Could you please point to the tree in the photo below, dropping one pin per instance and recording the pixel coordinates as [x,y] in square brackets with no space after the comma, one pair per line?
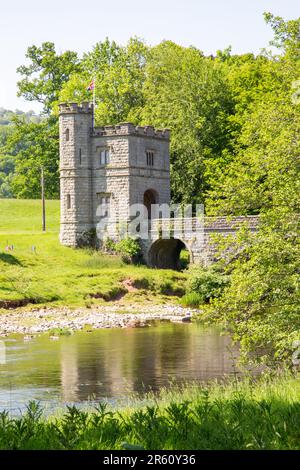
[34,145]
[261,304]
[44,77]
[286,34]
[188,93]
[119,73]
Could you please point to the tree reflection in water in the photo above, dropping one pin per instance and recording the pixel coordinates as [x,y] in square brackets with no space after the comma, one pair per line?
[113,363]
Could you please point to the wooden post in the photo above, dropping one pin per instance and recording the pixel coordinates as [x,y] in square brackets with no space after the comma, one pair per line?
[43,198]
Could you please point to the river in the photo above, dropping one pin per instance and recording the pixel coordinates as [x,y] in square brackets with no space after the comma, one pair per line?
[110,363]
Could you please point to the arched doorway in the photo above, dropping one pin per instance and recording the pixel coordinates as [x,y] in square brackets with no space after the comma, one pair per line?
[165,254]
[150,198]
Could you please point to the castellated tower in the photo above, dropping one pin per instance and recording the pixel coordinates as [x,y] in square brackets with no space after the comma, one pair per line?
[106,170]
[75,124]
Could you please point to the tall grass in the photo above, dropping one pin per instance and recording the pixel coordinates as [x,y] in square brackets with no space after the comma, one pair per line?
[265,415]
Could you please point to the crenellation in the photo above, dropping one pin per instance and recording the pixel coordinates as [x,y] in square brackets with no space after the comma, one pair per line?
[128,128]
[75,108]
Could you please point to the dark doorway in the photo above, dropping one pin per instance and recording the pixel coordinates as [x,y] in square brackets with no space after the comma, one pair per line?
[150,198]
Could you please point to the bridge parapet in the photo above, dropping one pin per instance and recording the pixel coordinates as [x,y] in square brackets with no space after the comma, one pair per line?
[168,235]
[214,224]
[231,223]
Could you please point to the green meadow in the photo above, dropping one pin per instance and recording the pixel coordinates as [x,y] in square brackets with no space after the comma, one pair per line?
[38,270]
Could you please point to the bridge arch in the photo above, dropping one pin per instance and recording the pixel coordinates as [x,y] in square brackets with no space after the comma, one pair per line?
[165,253]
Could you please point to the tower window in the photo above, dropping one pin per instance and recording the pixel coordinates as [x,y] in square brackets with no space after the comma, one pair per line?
[67,135]
[80,157]
[104,204]
[150,157]
[104,157]
[68,201]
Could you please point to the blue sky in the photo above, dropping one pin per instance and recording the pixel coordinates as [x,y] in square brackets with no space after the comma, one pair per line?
[78,25]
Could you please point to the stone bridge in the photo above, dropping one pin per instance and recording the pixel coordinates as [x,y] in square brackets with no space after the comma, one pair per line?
[167,237]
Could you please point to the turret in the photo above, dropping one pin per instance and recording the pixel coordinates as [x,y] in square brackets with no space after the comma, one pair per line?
[75,127]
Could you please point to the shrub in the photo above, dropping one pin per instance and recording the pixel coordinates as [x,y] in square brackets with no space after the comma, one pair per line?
[129,250]
[184,259]
[109,245]
[88,239]
[207,284]
[192,299]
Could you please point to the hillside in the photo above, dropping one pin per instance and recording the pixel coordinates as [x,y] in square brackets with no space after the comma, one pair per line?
[7,115]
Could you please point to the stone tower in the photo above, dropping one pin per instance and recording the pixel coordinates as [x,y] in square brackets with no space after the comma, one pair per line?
[104,171]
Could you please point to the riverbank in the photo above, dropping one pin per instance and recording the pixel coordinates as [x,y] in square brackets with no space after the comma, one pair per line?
[64,320]
[35,269]
[240,415]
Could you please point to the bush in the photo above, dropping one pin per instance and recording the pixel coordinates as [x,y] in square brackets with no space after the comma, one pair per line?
[192,299]
[207,284]
[88,239]
[129,250]
[108,245]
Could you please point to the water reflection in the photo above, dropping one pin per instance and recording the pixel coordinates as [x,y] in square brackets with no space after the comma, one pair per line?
[112,363]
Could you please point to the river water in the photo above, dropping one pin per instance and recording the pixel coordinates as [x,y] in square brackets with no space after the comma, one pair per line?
[111,364]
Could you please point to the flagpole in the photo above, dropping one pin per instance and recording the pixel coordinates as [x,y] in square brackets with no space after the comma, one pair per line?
[94,102]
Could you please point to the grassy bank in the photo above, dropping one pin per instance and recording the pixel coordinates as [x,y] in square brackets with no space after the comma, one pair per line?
[265,415]
[38,270]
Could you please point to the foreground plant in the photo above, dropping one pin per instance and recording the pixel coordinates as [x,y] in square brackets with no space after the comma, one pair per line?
[265,415]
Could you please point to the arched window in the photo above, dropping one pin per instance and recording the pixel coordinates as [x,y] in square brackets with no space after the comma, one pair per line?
[67,134]
[150,198]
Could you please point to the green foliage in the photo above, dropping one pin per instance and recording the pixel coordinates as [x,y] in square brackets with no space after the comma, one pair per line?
[119,72]
[286,34]
[7,159]
[188,93]
[44,77]
[207,283]
[261,305]
[213,106]
[191,299]
[129,249]
[264,415]
[88,239]
[7,116]
[109,245]
[34,145]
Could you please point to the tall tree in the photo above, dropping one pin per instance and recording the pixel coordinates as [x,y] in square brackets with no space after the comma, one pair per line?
[119,72]
[188,93]
[261,306]
[34,145]
[46,73]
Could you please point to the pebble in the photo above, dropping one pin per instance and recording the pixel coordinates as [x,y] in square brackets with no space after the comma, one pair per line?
[132,316]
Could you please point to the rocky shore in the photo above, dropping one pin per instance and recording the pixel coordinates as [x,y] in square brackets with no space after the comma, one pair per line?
[46,319]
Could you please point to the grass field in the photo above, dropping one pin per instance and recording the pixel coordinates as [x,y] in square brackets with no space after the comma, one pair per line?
[263,415]
[39,270]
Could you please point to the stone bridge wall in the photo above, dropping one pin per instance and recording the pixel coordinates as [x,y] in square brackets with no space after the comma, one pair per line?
[197,236]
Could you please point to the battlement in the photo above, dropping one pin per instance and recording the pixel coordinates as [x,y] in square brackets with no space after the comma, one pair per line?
[127,128]
[72,108]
